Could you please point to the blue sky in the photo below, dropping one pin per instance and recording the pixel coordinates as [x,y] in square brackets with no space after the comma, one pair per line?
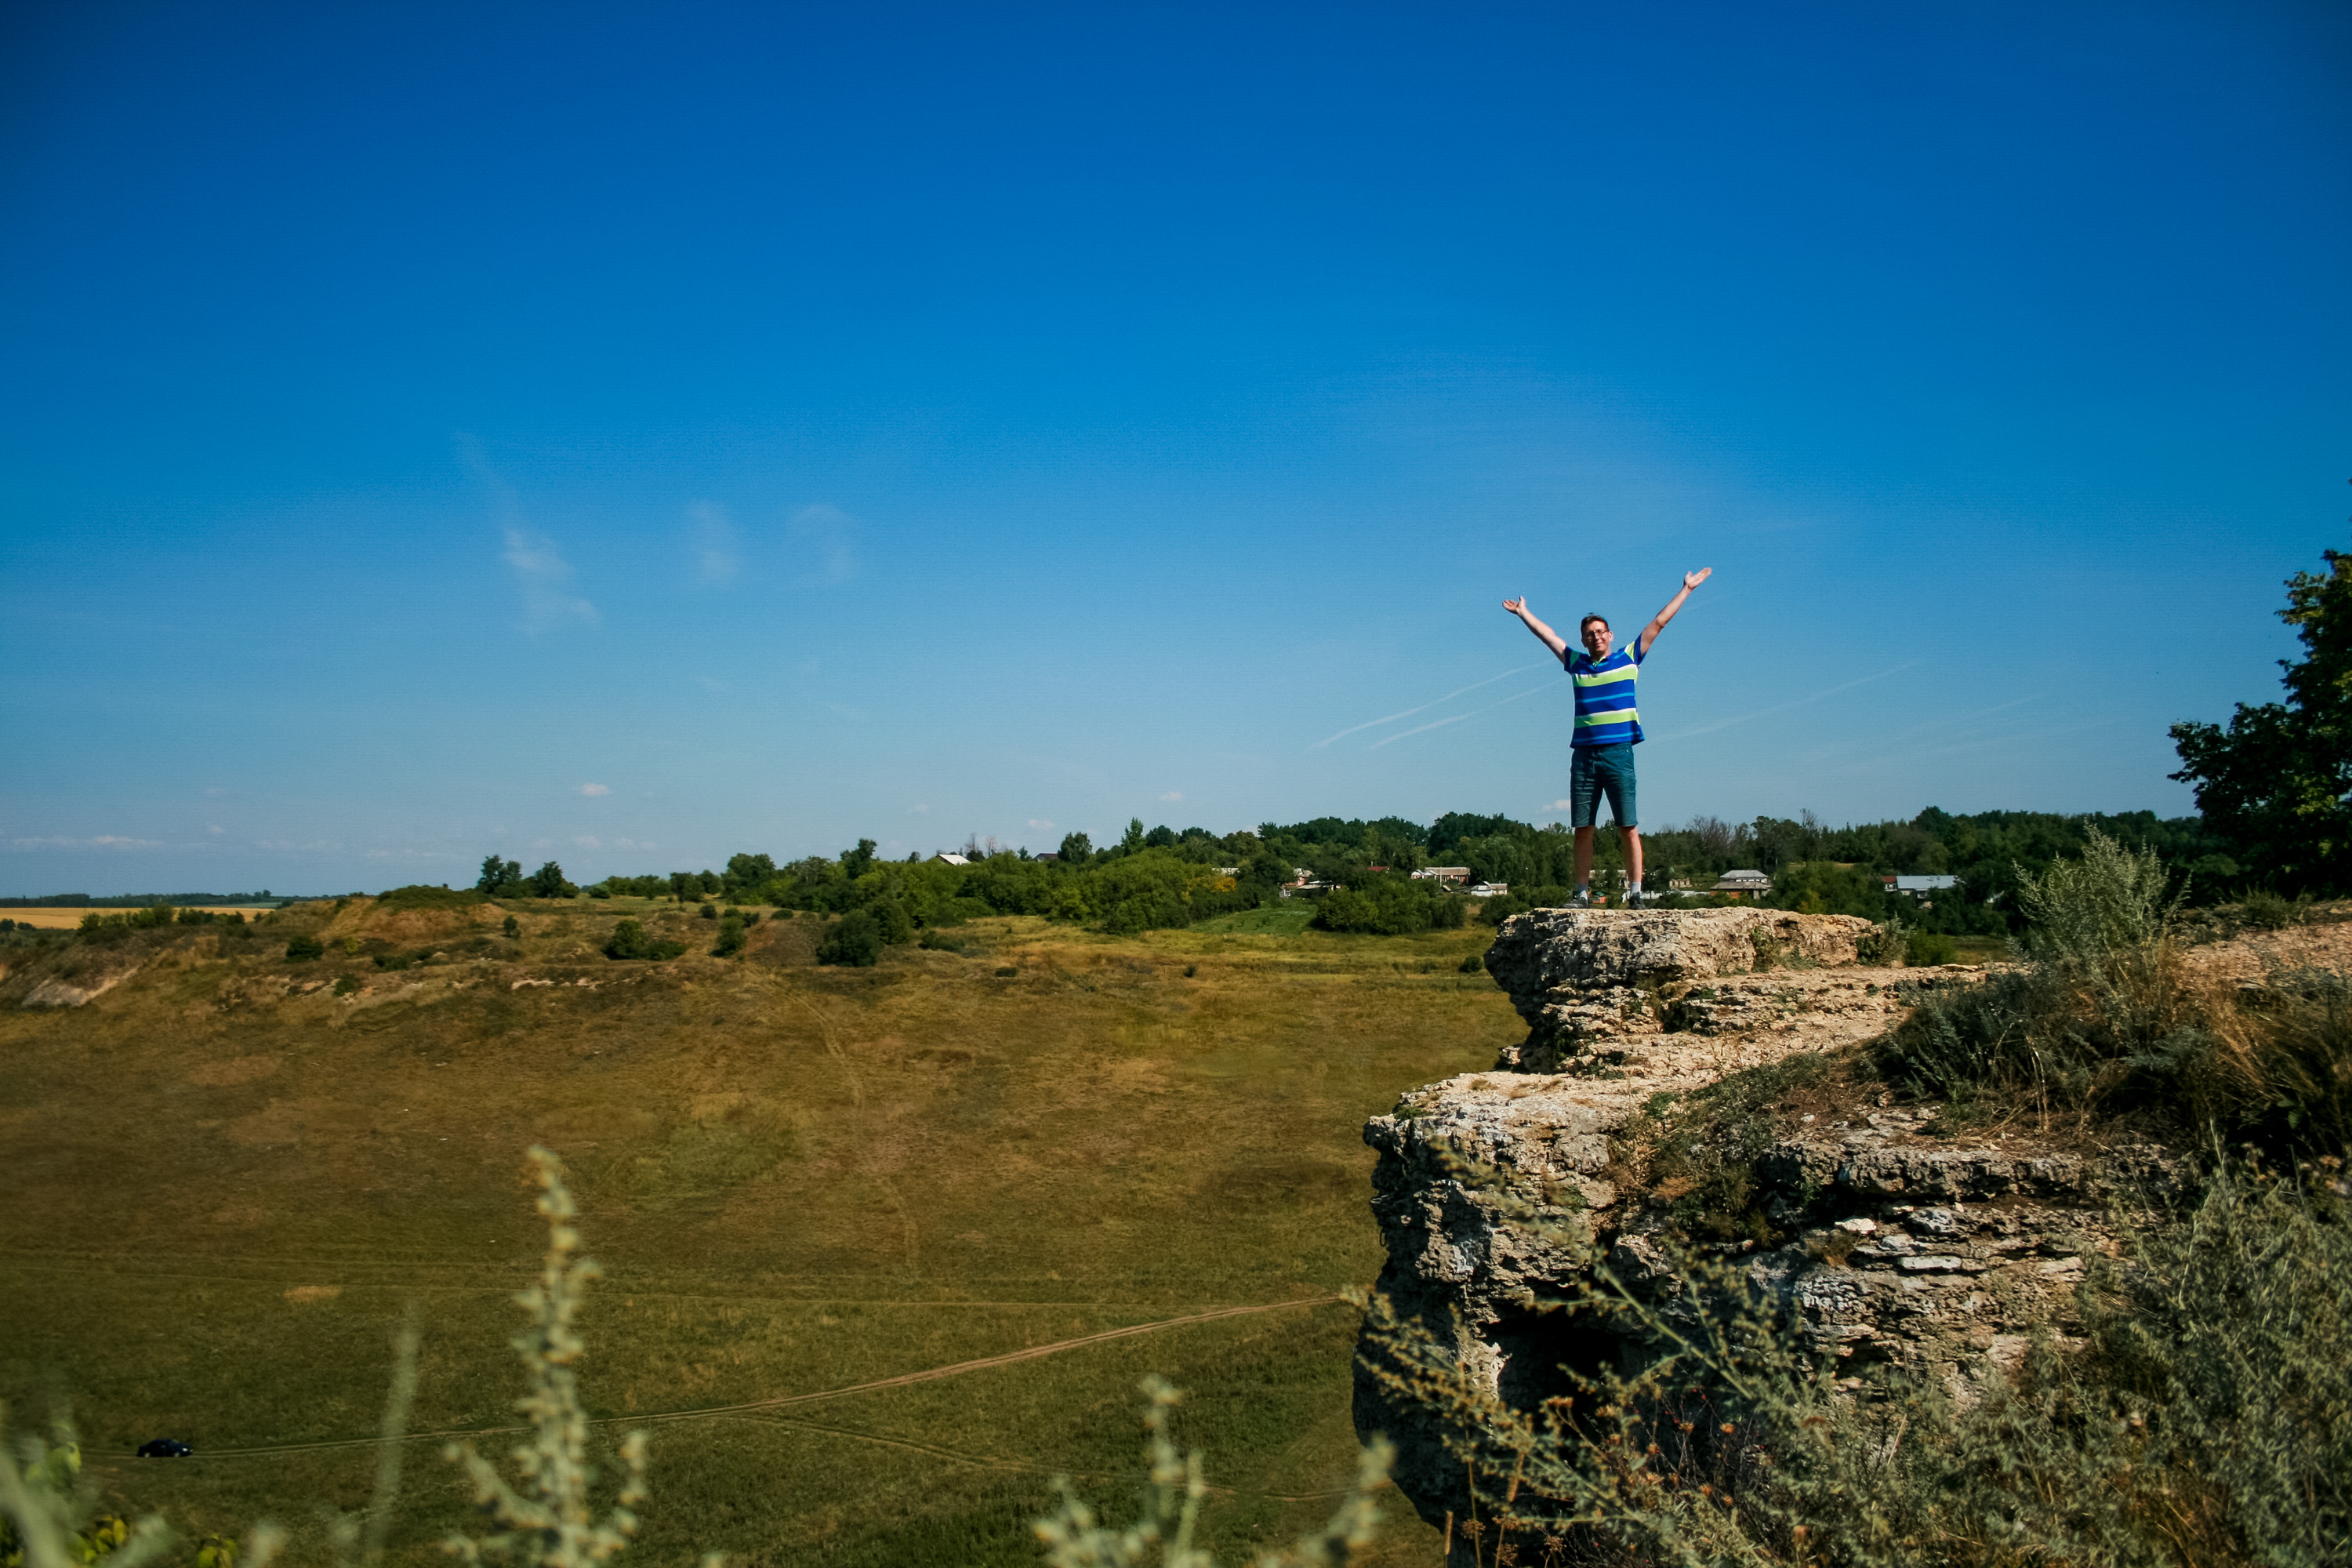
[633,435]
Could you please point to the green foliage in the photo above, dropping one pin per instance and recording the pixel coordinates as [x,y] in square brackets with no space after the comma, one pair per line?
[855,863]
[937,940]
[2111,901]
[2107,1014]
[731,937]
[548,882]
[2277,785]
[1472,962]
[1923,948]
[500,879]
[2267,910]
[629,940]
[420,896]
[302,949]
[513,927]
[1391,906]
[1076,849]
[1825,888]
[709,911]
[2209,1420]
[856,938]
[47,1518]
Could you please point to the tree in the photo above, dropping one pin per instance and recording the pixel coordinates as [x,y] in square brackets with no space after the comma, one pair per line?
[855,863]
[1132,839]
[548,882]
[497,876]
[2277,785]
[856,938]
[1077,849]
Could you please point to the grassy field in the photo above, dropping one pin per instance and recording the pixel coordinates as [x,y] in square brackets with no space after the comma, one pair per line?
[799,1180]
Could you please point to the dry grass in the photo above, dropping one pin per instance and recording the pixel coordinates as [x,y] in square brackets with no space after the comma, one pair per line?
[799,1178]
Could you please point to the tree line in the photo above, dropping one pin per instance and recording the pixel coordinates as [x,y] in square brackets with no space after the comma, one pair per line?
[2274,790]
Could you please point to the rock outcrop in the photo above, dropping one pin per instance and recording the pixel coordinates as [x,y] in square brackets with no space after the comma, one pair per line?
[1892,1244]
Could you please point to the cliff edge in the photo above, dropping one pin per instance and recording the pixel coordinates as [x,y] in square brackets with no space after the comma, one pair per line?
[1891,1241]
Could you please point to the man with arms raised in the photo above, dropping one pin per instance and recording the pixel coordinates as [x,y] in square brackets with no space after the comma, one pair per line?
[1607,728]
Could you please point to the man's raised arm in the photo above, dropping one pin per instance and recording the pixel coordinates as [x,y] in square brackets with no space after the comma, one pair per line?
[1658,622]
[1544,634]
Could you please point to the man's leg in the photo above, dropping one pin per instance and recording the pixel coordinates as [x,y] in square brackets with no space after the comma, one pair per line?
[1583,811]
[1633,860]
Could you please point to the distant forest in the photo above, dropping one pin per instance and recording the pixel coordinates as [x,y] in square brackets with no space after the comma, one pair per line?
[1162,876]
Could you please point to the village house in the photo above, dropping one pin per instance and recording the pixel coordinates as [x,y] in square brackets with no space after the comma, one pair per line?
[1447,874]
[1743,884]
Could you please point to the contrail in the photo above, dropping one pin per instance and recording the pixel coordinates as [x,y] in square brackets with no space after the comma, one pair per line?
[1784,707]
[1376,723]
[1490,707]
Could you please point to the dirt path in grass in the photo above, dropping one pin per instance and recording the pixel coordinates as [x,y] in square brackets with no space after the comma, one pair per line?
[786,1401]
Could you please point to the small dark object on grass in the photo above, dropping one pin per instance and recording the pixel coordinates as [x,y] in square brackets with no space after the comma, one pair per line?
[1190,970]
[303,949]
[513,927]
[709,911]
[1473,963]
[1005,971]
[164,1448]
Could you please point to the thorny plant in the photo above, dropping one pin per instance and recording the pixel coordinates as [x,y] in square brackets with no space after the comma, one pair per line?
[1076,1537]
[550,1519]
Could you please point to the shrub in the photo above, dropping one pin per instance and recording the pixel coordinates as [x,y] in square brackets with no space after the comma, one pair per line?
[1929,947]
[302,949]
[731,937]
[1886,943]
[629,940]
[709,911]
[855,939]
[513,927]
[1391,906]
[2268,911]
[1472,962]
[940,941]
[890,917]
[417,896]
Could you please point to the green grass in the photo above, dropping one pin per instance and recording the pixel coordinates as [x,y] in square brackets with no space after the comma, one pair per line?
[1288,918]
[798,1179]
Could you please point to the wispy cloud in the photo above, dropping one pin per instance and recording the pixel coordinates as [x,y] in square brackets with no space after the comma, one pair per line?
[1456,719]
[545,580]
[592,790]
[715,554]
[587,841]
[1174,795]
[1784,707]
[103,841]
[1424,708]
[540,569]
[1040,823]
[823,537]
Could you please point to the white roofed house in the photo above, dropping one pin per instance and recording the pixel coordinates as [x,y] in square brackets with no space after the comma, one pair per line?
[1742,885]
[952,858]
[1442,874]
[1923,888]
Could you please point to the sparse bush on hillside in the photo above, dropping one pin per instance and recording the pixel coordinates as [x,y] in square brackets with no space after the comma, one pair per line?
[629,940]
[2208,1419]
[302,949]
[856,938]
[1923,948]
[420,896]
[731,937]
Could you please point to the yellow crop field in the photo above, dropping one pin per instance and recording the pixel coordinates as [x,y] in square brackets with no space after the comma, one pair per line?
[69,918]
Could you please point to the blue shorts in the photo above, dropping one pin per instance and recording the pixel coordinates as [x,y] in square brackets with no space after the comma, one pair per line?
[1598,771]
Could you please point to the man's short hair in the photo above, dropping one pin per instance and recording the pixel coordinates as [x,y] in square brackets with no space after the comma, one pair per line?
[1589,620]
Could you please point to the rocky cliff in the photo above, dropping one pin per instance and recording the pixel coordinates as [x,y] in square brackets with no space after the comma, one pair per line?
[1892,1242]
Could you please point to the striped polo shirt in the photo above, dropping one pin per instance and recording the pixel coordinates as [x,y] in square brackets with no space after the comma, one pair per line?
[1605,714]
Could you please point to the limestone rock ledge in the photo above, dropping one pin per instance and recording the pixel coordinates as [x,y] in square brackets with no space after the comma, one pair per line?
[1945,1259]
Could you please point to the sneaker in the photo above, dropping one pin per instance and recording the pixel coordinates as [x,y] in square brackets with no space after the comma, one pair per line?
[1581,901]
[1634,898]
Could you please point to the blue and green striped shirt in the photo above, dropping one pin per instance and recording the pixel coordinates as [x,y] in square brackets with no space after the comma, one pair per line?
[1605,714]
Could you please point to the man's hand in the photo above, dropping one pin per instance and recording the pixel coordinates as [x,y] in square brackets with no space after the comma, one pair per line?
[1693,579]
[1658,622]
[1548,638]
